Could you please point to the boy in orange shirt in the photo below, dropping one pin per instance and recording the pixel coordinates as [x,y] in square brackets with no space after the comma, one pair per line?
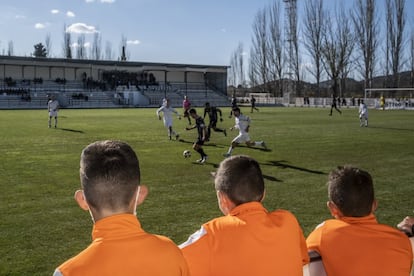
[248,239]
[110,178]
[354,243]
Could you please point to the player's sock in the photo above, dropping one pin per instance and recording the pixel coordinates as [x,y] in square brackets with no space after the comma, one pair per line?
[230,150]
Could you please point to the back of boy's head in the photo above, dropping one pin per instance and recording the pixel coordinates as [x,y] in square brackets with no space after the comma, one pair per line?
[241,179]
[352,191]
[109,174]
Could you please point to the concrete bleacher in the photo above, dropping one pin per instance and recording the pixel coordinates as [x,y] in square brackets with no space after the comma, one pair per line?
[69,91]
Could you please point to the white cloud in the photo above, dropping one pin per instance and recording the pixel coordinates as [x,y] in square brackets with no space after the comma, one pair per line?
[89,1]
[223,30]
[70,14]
[134,42]
[40,26]
[81,28]
[54,11]
[108,1]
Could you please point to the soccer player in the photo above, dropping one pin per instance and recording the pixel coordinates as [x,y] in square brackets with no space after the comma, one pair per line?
[333,105]
[53,108]
[186,107]
[363,114]
[111,190]
[202,134]
[213,112]
[354,243]
[382,102]
[242,123]
[253,103]
[248,239]
[168,118]
[233,104]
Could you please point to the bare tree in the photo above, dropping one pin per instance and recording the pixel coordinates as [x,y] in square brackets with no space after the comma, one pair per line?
[10,48]
[109,55]
[240,63]
[313,35]
[396,20]
[365,21]
[275,47]
[337,48]
[123,48]
[81,50]
[67,41]
[48,45]
[412,57]
[258,53]
[232,76]
[96,46]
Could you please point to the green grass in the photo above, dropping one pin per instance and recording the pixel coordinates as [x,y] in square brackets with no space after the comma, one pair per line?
[41,225]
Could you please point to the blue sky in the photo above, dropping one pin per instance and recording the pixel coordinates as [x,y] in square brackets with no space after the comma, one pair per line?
[174,31]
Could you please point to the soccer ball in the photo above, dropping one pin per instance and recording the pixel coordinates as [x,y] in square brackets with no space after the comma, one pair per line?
[187,154]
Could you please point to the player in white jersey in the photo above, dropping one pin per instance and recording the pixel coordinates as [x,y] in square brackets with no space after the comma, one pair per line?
[242,123]
[53,108]
[168,111]
[363,114]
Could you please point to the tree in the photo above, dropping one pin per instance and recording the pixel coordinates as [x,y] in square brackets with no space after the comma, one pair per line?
[275,47]
[258,54]
[313,35]
[10,49]
[412,57]
[108,51]
[96,50]
[396,19]
[123,48]
[48,45]
[67,42]
[337,48]
[365,23]
[80,50]
[39,50]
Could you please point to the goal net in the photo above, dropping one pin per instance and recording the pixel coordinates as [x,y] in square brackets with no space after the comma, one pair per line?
[389,98]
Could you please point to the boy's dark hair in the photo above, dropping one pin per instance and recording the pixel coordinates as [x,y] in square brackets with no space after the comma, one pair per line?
[236,109]
[241,179]
[352,191]
[193,111]
[109,174]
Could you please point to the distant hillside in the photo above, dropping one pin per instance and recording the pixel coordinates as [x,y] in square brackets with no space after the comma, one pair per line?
[350,87]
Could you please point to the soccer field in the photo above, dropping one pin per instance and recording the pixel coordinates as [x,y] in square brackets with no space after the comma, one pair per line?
[41,225]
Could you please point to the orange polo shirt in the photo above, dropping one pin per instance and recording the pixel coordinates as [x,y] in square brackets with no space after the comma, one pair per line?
[121,247]
[249,241]
[361,246]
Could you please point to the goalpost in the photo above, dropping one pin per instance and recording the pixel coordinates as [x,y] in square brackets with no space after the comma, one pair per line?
[394,98]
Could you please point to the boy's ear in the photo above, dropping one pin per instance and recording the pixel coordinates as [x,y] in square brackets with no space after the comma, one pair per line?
[81,200]
[143,192]
[335,212]
[374,206]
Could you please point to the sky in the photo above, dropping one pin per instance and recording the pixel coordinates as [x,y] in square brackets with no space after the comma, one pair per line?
[171,31]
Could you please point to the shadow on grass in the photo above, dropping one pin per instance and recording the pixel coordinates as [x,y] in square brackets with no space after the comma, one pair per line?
[71,130]
[391,128]
[207,144]
[283,165]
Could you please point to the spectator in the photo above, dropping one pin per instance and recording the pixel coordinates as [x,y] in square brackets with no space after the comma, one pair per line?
[111,190]
[248,239]
[354,243]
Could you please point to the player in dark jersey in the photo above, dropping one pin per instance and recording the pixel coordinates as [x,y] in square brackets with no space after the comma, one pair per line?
[213,112]
[202,134]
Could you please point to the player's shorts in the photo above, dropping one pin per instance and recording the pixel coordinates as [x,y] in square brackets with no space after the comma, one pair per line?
[241,138]
[186,113]
[363,116]
[53,113]
[213,123]
[168,122]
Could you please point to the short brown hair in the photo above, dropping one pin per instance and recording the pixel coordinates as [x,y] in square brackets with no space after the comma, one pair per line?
[241,179]
[109,174]
[352,191]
